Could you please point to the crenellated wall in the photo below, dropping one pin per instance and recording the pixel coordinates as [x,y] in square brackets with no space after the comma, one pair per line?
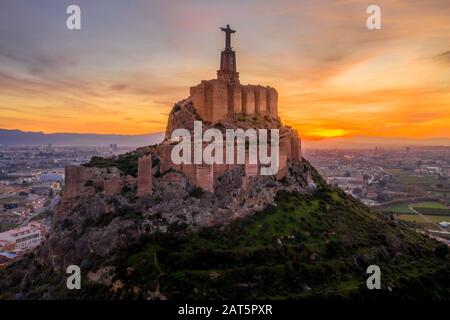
[216,99]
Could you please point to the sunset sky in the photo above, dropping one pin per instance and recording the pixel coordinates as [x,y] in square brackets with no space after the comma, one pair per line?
[132,60]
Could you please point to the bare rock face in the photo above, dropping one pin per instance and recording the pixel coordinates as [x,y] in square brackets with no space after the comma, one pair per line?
[92,224]
[183,115]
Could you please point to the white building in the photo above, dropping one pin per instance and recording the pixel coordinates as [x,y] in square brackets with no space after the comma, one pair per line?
[444,224]
[24,238]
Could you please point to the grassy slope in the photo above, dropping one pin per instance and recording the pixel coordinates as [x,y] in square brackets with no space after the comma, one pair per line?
[327,240]
[315,246]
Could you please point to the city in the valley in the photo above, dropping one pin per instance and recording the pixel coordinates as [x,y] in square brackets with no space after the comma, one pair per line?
[411,183]
[31,178]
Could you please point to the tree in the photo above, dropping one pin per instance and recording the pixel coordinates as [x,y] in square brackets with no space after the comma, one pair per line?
[441,250]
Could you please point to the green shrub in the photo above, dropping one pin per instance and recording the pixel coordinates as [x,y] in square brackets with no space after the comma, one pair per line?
[196,192]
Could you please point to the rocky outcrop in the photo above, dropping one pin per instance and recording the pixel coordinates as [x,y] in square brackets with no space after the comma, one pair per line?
[183,115]
[104,208]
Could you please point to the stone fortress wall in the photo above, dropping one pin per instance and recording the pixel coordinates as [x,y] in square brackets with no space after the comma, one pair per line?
[84,181]
[80,180]
[217,99]
[205,176]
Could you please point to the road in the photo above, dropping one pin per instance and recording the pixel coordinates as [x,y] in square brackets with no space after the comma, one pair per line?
[426,219]
[429,233]
[51,206]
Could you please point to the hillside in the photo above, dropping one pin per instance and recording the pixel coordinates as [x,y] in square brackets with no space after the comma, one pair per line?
[310,245]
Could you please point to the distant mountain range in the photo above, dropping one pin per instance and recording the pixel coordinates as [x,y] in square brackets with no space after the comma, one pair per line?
[22,138]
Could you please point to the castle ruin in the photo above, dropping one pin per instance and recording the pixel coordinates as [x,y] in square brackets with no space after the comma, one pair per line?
[214,101]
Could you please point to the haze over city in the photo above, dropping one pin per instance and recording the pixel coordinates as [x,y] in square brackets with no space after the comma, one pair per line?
[127,66]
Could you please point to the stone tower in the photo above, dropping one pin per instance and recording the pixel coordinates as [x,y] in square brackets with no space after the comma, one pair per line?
[144,179]
[227,71]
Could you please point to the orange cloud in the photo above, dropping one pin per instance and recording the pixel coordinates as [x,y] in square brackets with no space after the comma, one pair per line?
[334,77]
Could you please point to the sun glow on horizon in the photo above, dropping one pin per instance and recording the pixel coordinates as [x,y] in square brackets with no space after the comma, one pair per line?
[326,133]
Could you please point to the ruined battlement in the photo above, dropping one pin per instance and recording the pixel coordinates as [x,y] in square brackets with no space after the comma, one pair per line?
[85,181]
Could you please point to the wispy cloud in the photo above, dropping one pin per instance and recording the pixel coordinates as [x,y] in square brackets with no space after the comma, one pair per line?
[130,63]
[443,58]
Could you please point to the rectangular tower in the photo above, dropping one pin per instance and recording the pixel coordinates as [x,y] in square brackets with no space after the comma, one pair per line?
[74,180]
[144,179]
